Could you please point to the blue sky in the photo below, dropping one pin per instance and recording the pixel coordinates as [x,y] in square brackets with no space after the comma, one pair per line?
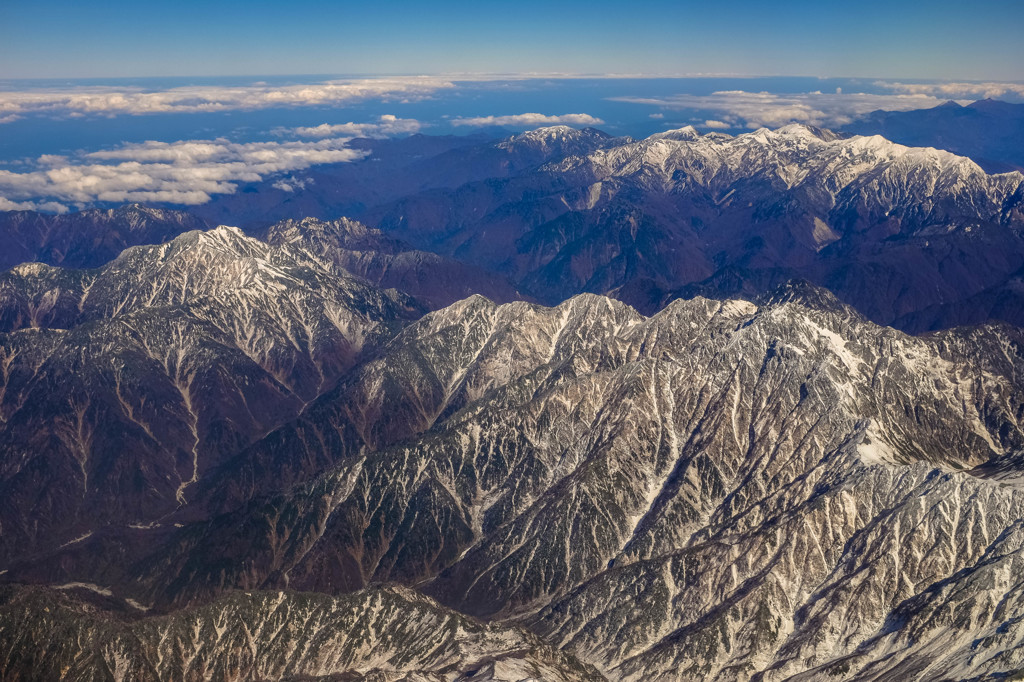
[890,39]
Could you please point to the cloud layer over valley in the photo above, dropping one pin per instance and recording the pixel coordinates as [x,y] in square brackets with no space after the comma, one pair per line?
[530,120]
[186,172]
[111,100]
[742,109]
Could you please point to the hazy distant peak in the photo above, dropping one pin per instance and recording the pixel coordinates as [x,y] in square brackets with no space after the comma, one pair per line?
[805,130]
[684,133]
[554,135]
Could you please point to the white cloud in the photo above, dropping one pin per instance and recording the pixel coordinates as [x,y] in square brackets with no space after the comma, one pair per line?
[113,101]
[386,126]
[184,172]
[529,120]
[719,125]
[757,109]
[947,91]
[48,206]
[292,184]
[658,115]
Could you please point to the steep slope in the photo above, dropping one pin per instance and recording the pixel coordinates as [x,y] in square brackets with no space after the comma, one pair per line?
[89,238]
[389,263]
[121,386]
[723,490]
[380,635]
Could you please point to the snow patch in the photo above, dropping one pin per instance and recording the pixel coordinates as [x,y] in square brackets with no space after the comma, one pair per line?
[86,586]
[737,308]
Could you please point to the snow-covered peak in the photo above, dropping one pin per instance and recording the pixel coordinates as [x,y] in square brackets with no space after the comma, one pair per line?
[803,130]
[289,231]
[684,133]
[560,139]
[889,176]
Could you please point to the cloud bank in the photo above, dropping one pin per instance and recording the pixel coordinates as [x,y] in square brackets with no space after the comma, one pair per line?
[185,172]
[529,120]
[972,91]
[386,126]
[110,101]
[742,109]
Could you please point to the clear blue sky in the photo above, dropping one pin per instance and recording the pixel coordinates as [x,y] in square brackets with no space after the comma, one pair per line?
[942,39]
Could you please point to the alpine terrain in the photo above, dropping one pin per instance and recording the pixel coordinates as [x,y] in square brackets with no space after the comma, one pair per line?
[593,409]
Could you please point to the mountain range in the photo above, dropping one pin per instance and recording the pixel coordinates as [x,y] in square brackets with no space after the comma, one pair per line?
[916,238]
[990,132]
[563,406]
[741,489]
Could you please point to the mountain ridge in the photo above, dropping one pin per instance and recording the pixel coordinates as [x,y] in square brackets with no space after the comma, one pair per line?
[551,466]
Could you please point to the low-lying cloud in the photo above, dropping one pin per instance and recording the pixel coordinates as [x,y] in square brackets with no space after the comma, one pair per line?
[387,125]
[111,101]
[529,120]
[185,172]
[742,109]
[972,91]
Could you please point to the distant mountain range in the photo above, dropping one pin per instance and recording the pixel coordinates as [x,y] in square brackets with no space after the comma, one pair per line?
[914,237]
[988,131]
[87,239]
[310,448]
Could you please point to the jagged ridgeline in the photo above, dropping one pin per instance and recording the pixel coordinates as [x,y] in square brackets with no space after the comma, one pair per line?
[220,450]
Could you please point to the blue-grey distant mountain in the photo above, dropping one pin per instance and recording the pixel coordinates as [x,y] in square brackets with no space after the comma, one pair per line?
[891,229]
[988,131]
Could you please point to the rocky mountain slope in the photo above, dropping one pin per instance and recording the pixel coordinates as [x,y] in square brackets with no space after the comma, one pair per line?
[379,635]
[725,490]
[86,239]
[386,262]
[122,386]
[241,458]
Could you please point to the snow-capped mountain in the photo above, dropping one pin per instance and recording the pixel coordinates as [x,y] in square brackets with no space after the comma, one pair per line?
[989,131]
[559,141]
[911,236]
[227,456]
[679,209]
[121,386]
[389,263]
[726,490]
